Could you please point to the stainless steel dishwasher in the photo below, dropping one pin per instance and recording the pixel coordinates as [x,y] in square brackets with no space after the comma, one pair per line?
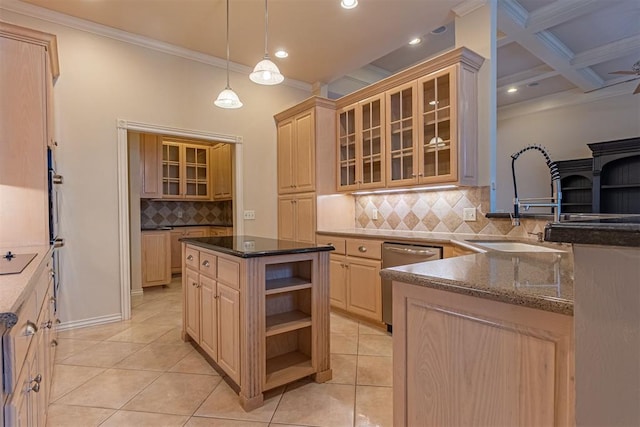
[397,254]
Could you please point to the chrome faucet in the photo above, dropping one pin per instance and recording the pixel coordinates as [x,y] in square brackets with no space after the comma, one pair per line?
[556,195]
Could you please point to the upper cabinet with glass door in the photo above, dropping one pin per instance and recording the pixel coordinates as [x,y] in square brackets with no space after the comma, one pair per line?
[429,132]
[361,145]
[185,171]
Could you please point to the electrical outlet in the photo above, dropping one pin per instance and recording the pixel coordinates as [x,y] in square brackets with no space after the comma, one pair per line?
[249,214]
[469,214]
[179,213]
[375,214]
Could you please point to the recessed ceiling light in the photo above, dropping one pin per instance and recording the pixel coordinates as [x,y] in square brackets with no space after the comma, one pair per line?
[415,41]
[281,53]
[512,90]
[439,30]
[349,4]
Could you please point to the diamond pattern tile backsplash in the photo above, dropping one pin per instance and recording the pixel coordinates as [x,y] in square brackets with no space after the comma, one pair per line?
[437,211]
[165,213]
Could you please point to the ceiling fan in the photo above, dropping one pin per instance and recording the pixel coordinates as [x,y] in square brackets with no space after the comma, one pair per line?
[635,70]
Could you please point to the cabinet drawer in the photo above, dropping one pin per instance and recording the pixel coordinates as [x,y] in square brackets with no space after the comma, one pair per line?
[229,272]
[192,258]
[208,264]
[364,248]
[16,341]
[336,242]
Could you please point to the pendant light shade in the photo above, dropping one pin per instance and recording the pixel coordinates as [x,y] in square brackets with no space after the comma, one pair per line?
[228,98]
[266,72]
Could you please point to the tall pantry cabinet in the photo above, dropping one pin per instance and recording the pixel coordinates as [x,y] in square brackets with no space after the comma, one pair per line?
[306,165]
[28,68]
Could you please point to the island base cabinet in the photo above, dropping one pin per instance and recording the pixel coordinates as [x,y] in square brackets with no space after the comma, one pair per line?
[461,360]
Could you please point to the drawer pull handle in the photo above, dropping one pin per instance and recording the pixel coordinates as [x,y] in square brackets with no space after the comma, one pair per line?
[362,249]
[190,258]
[37,379]
[206,263]
[54,343]
[35,387]
[30,329]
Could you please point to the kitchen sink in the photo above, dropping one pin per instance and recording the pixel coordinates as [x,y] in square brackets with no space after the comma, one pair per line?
[511,246]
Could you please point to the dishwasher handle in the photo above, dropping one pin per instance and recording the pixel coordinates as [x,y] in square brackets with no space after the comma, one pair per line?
[410,251]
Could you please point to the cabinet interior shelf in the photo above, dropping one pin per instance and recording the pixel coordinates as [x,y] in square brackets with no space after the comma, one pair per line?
[286,284]
[575,188]
[619,186]
[286,322]
[287,367]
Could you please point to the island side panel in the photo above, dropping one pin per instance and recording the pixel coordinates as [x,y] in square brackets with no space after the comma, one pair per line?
[321,317]
[252,325]
[461,360]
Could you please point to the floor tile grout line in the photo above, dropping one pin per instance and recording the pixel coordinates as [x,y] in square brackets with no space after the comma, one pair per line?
[75,388]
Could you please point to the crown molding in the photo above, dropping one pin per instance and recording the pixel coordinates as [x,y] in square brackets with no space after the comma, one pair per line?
[468,6]
[134,39]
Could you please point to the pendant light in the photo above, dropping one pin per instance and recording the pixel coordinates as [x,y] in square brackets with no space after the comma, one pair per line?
[266,72]
[228,98]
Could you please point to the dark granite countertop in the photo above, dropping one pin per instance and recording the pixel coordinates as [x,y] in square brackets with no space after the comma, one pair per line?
[171,227]
[251,246]
[606,231]
[539,280]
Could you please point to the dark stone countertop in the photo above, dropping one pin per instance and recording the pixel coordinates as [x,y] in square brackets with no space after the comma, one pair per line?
[605,231]
[171,227]
[251,246]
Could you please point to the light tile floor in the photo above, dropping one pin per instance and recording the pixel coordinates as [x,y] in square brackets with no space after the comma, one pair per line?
[140,373]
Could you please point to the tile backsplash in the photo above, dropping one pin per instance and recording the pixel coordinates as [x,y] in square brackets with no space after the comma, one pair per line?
[168,213]
[437,211]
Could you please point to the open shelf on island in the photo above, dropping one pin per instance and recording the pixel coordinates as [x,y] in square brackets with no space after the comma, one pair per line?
[287,367]
[286,322]
[286,284]
[287,276]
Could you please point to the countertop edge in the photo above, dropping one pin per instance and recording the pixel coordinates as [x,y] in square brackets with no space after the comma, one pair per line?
[221,249]
[554,305]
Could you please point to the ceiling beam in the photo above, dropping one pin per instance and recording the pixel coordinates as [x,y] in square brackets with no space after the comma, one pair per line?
[512,19]
[607,52]
[561,11]
[523,78]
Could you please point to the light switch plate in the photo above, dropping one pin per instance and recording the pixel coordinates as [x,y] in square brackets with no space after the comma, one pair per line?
[469,214]
[375,214]
[249,214]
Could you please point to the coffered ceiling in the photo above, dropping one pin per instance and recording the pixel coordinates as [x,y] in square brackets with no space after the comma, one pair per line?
[544,46]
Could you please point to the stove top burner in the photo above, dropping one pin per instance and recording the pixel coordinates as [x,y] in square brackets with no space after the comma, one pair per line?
[14,263]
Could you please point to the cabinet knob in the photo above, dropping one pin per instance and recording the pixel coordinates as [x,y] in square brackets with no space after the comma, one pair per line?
[35,387]
[206,263]
[47,325]
[194,284]
[54,343]
[362,249]
[30,329]
[190,258]
[37,379]
[52,299]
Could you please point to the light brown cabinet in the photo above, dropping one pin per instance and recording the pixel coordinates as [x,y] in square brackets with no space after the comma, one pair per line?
[28,68]
[220,231]
[481,362]
[176,247]
[355,284]
[429,131]
[222,177]
[306,165]
[212,307]
[150,166]
[156,258]
[361,145]
[296,217]
[185,171]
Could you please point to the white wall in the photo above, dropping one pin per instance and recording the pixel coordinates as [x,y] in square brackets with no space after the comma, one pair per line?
[103,80]
[565,131]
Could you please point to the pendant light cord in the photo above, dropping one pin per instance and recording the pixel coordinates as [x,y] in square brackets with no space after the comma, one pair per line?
[227,44]
[266,24]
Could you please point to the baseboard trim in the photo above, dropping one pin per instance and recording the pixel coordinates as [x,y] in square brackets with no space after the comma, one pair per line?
[136,292]
[94,321]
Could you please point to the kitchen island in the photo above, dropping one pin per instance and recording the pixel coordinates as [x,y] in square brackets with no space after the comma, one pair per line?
[258,309]
[607,316]
[484,339]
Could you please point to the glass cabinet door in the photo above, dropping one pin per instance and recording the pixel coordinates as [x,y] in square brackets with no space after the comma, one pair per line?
[171,170]
[401,135]
[437,139]
[196,171]
[371,143]
[347,149]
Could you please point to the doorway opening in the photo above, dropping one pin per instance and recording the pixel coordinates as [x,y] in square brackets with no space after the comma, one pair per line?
[131,217]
